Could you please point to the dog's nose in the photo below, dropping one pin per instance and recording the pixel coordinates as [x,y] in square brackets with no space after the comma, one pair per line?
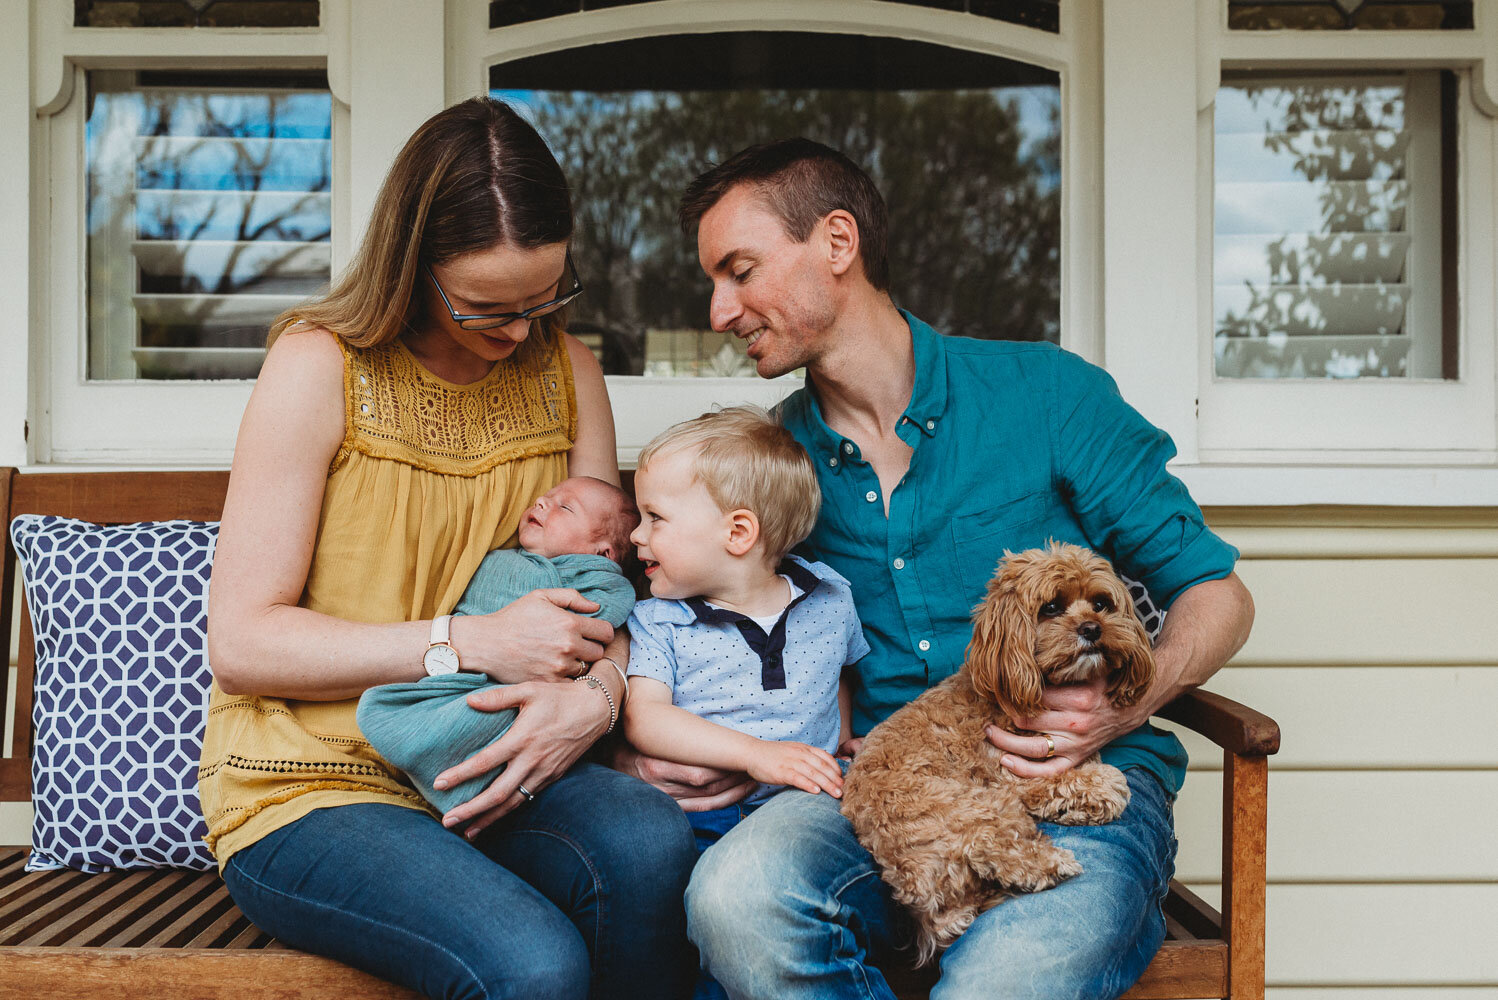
[1091,631]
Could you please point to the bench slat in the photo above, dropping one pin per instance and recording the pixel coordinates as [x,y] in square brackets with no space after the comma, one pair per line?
[87,918]
[31,896]
[191,923]
[167,911]
[224,932]
[178,974]
[120,924]
[251,937]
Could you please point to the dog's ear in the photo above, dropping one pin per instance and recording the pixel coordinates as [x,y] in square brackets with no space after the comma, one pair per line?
[1137,671]
[1001,655]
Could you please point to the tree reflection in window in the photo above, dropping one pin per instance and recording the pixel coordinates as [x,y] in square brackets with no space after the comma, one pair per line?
[966,150]
[209,211]
[1333,225]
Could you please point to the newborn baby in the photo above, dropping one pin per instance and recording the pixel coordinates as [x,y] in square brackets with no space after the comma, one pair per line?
[575,536]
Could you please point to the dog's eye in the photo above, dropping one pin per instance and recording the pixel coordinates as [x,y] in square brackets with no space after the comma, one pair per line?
[1102,603]
[1052,608]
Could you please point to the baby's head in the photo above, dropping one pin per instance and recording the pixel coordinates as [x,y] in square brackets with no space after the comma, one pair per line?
[581,516]
[724,488]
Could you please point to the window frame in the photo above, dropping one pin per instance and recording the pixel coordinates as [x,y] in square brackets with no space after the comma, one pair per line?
[136,421]
[1388,421]
[1163,61]
[643,406]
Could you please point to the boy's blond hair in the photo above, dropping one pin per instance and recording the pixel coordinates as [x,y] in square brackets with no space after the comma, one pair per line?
[746,459]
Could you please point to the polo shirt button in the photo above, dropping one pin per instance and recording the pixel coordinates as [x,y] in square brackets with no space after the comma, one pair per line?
[871,496]
[924,645]
[899,564]
[931,425]
[832,461]
[847,447]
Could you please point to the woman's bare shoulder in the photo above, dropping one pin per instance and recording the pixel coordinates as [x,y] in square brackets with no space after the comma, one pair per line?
[300,386]
[584,362]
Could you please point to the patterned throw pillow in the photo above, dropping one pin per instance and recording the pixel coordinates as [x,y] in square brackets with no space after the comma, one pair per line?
[119,615]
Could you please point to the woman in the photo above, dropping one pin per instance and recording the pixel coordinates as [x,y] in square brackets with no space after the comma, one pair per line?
[397,431]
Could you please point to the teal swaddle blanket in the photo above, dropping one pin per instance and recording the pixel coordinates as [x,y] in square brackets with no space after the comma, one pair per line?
[427,726]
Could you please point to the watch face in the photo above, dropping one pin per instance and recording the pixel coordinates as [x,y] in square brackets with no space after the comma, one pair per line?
[440,659]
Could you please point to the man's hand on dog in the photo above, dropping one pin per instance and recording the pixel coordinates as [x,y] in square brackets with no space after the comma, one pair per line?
[1079,719]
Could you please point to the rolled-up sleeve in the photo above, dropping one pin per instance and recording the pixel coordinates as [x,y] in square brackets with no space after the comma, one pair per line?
[1110,462]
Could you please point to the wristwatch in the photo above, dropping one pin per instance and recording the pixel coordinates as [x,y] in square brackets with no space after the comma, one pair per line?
[441,657]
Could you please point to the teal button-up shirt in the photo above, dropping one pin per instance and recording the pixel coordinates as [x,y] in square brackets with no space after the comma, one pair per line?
[1014,444]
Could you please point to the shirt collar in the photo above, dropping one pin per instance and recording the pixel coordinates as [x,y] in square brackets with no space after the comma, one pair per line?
[800,574]
[928,396]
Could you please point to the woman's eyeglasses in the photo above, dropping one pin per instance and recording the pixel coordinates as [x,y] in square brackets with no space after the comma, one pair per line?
[489,321]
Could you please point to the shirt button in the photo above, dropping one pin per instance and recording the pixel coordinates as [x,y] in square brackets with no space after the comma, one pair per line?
[923,645]
[899,564]
[931,425]
[847,447]
[832,461]
[871,496]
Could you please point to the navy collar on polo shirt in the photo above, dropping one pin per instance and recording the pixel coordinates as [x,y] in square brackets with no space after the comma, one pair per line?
[769,648]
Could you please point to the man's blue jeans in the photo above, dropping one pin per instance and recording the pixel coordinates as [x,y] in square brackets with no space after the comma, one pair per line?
[578,893]
[788,905]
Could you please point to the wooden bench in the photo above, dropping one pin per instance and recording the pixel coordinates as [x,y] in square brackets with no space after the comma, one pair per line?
[176,934]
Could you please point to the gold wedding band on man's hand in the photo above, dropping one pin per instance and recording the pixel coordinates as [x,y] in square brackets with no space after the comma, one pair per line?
[1050,746]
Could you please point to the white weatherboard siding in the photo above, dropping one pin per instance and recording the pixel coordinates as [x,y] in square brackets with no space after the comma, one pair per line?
[1383,801]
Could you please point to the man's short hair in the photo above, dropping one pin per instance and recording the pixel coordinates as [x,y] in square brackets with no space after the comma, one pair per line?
[747,460]
[801,181]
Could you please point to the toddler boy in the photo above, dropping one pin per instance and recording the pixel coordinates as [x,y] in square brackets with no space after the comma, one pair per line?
[735,661]
[575,536]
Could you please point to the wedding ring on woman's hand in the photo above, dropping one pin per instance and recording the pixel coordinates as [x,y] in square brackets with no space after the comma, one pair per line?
[530,796]
[1050,746]
[582,667]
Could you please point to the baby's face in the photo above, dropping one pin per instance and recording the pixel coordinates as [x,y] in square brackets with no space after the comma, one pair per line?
[572,518]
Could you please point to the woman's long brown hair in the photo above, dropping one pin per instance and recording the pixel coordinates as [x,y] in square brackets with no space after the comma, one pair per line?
[473,176]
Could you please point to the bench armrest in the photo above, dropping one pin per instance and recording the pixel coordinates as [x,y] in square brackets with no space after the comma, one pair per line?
[1234,727]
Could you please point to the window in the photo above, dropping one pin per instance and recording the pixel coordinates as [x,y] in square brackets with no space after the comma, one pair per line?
[965,148]
[1335,227]
[1375,15]
[1042,14]
[195,13]
[209,212]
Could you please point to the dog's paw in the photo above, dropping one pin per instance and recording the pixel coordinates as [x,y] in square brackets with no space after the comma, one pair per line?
[1051,866]
[1098,795]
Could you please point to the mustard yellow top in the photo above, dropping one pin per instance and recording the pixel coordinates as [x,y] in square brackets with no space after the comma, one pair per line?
[430,477]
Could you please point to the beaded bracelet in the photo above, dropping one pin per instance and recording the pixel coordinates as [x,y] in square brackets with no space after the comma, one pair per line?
[594,682]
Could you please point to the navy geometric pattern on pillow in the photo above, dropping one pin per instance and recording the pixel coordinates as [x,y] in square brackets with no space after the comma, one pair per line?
[1144,606]
[119,615]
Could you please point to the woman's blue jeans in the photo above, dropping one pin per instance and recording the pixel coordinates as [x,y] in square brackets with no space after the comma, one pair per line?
[788,905]
[576,894]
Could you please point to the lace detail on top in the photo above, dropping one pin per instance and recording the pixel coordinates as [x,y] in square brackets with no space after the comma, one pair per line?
[396,409]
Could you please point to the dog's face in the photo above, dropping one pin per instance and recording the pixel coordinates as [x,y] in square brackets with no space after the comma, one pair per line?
[1057,615]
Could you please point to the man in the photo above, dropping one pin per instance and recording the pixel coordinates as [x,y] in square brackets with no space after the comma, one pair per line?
[934,455]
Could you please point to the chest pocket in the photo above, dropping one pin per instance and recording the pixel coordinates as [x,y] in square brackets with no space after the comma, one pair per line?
[979,539]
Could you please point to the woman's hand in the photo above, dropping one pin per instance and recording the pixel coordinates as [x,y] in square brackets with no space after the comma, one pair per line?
[544,636]
[809,768]
[695,788]
[555,726]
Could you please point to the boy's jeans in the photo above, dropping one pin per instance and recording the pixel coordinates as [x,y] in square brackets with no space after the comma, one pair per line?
[788,905]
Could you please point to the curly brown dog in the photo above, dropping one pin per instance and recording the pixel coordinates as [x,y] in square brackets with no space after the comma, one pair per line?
[953,831]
